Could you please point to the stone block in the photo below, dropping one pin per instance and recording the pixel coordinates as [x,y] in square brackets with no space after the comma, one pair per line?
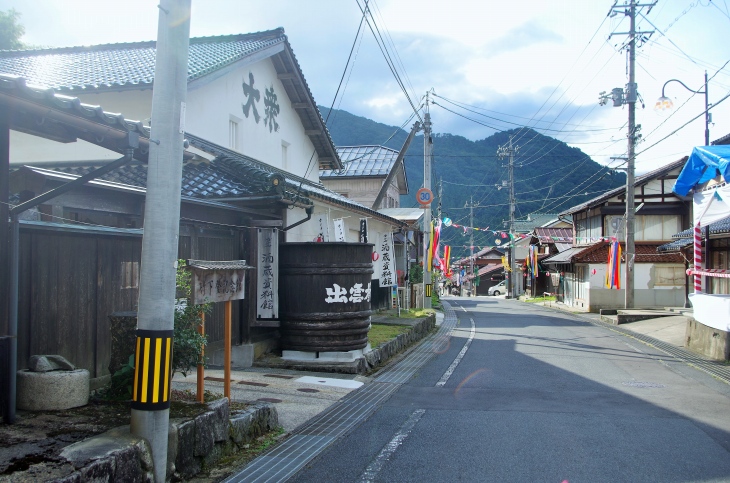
[204,439]
[49,363]
[54,390]
[186,464]
[298,355]
[348,356]
[241,426]
[101,470]
[221,419]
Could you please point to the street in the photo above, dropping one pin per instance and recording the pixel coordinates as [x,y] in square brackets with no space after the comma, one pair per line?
[518,393]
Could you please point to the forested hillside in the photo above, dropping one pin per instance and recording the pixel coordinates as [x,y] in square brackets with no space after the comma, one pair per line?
[550,176]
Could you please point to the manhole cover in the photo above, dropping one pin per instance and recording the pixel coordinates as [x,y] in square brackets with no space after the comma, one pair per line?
[280,376]
[307,389]
[269,399]
[216,379]
[249,383]
[642,384]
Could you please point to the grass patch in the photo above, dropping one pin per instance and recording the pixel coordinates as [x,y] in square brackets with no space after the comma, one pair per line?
[408,314]
[380,333]
[550,298]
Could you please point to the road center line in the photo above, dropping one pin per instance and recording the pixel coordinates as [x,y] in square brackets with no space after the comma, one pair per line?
[374,468]
[453,365]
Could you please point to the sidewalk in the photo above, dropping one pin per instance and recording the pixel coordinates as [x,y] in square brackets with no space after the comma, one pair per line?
[298,395]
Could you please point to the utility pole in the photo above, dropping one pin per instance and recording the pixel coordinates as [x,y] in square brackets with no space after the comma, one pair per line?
[629,97]
[427,153]
[509,151]
[155,322]
[471,246]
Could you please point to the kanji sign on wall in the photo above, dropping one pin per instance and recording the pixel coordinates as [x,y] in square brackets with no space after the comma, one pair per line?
[267,282]
[218,281]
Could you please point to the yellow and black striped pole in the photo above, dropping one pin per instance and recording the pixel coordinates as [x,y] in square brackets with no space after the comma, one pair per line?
[152,370]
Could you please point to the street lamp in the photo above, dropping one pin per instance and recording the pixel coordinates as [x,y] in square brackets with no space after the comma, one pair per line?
[664,104]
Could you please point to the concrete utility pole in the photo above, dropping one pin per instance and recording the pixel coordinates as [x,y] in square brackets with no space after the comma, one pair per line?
[471,246]
[427,153]
[509,151]
[630,97]
[155,322]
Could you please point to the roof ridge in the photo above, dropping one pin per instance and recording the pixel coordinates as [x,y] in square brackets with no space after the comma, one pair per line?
[279,31]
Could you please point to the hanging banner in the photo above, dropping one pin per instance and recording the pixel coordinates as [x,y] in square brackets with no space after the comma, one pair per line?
[339,229]
[363,230]
[324,228]
[267,281]
[386,262]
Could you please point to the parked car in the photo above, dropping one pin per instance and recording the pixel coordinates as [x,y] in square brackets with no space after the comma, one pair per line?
[498,289]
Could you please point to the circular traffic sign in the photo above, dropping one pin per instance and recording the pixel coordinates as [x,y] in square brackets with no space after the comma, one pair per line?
[424,196]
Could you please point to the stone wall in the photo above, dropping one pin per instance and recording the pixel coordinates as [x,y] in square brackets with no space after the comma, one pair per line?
[194,444]
[384,352]
[708,341]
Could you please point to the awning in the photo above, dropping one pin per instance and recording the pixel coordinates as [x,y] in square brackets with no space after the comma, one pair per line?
[563,257]
[705,163]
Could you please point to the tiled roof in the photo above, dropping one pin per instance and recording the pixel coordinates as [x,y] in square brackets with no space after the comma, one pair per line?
[127,64]
[639,180]
[534,220]
[243,167]
[114,67]
[564,256]
[645,253]
[198,180]
[363,161]
[554,235]
[720,227]
[676,245]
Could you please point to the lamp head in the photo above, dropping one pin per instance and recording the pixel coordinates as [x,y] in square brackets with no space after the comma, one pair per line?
[663,104]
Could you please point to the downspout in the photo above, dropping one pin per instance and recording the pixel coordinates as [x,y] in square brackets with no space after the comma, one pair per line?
[15,262]
[309,211]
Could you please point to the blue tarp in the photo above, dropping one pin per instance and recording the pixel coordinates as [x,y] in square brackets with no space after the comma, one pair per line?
[704,164]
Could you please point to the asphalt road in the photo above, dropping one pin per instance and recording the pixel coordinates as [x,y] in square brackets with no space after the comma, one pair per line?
[522,393]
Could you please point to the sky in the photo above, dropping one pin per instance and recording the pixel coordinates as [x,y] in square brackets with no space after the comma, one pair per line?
[503,64]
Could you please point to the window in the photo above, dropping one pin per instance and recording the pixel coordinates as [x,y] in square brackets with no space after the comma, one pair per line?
[646,227]
[234,133]
[285,155]
[720,253]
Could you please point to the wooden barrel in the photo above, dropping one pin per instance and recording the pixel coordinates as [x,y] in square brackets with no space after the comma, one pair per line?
[324,298]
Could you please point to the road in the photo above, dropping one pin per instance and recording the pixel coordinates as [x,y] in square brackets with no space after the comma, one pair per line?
[516,392]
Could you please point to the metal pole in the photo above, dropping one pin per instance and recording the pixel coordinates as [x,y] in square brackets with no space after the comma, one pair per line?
[162,215]
[707,114]
[13,318]
[427,145]
[512,285]
[630,249]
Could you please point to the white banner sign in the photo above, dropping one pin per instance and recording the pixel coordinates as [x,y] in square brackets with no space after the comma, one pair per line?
[267,273]
[324,228]
[339,229]
[385,268]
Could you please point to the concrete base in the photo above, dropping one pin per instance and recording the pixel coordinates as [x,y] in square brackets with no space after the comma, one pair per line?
[242,356]
[349,356]
[52,391]
[708,341]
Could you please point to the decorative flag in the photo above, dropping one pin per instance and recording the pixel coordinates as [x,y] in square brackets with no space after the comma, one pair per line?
[447,258]
[613,269]
[429,252]
[534,261]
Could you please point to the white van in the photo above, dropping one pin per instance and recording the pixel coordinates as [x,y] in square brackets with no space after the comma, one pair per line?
[499,289]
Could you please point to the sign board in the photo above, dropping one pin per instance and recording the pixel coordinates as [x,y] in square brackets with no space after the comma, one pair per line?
[324,229]
[385,268]
[363,230]
[218,281]
[267,281]
[424,196]
[339,229]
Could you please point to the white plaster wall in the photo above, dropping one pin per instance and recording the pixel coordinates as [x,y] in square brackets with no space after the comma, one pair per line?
[212,105]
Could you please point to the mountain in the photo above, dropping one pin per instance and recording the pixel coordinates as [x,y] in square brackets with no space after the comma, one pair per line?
[550,176]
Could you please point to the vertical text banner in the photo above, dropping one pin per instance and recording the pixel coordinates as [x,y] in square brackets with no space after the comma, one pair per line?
[324,228]
[267,282]
[387,261]
[363,230]
[339,229]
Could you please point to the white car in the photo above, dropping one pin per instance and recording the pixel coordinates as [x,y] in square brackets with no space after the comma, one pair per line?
[498,289]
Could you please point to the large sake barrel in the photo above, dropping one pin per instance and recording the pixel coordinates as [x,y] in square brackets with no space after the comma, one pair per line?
[324,296]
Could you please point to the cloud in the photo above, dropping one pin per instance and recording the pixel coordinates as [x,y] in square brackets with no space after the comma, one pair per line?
[526,35]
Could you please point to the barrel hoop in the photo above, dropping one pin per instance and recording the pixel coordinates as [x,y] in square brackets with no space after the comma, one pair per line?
[325,315]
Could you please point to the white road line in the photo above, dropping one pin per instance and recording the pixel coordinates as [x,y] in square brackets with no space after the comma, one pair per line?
[453,365]
[374,468]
